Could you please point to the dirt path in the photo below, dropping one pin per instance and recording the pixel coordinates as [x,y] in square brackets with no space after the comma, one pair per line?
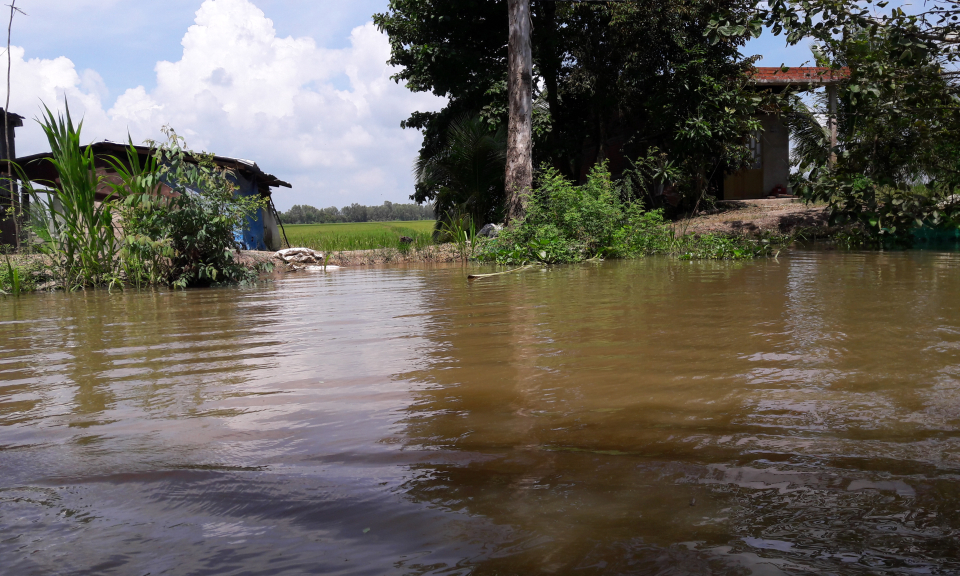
[752,217]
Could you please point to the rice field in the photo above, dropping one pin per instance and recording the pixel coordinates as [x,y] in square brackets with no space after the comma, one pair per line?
[359,235]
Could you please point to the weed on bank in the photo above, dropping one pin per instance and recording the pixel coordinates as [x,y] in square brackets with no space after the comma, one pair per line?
[570,223]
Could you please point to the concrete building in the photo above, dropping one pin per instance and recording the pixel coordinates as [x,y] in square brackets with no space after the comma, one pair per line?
[770,172]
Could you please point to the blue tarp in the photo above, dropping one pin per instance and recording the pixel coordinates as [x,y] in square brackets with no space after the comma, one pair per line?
[251,238]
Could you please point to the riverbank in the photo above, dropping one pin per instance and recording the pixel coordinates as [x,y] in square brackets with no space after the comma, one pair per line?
[757,217]
[752,219]
[734,219]
[438,253]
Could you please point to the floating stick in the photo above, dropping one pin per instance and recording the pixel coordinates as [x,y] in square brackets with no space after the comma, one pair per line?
[479,276]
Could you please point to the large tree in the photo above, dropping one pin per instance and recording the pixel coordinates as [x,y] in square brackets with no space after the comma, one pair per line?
[519,171]
[611,80]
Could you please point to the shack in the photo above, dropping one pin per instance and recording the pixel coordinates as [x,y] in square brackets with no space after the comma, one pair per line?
[8,230]
[263,228]
[770,172]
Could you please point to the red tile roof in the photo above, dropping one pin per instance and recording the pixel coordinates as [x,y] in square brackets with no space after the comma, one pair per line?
[799,75]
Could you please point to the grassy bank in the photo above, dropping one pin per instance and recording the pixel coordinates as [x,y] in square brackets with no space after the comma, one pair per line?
[359,235]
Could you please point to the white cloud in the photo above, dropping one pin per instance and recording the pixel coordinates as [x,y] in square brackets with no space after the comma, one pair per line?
[240,90]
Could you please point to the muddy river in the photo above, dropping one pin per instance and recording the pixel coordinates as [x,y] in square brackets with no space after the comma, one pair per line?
[798,415]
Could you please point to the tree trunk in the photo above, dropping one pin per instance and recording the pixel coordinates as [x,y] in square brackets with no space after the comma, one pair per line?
[519,176]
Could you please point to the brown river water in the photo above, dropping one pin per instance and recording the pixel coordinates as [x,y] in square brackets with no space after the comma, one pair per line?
[798,415]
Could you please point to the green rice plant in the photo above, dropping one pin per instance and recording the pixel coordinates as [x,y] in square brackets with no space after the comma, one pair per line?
[359,235]
[76,230]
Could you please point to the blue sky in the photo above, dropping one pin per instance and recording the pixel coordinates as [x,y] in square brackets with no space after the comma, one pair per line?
[299,86]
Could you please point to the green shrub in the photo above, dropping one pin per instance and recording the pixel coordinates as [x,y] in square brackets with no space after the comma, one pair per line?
[884,215]
[563,223]
[569,223]
[184,239]
[20,274]
[187,239]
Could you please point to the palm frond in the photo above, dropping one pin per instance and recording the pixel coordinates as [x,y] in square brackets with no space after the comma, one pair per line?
[811,139]
[467,174]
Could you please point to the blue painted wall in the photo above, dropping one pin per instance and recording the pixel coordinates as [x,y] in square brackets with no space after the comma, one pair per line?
[251,237]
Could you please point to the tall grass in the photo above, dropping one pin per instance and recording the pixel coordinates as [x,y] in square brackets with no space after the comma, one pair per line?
[22,273]
[75,229]
[459,228]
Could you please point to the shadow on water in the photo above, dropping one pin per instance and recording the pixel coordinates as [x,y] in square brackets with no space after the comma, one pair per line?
[797,415]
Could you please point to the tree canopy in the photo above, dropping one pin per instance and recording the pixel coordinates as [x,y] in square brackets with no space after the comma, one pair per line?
[611,80]
[898,163]
[388,212]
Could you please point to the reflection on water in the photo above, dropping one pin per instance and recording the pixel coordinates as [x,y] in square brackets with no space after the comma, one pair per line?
[790,416]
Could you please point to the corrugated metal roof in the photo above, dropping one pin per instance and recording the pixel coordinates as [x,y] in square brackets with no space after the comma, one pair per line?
[787,76]
[245,167]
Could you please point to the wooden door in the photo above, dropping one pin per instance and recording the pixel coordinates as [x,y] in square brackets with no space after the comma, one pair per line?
[747,183]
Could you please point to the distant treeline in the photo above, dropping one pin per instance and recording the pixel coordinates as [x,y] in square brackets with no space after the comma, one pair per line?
[303,214]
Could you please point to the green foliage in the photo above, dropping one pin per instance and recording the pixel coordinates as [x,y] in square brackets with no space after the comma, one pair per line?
[187,238]
[19,274]
[76,230]
[888,215]
[143,259]
[610,78]
[569,223]
[361,235]
[466,176]
[898,114]
[12,278]
[460,229]
[182,238]
[810,140]
[388,212]
[719,247]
